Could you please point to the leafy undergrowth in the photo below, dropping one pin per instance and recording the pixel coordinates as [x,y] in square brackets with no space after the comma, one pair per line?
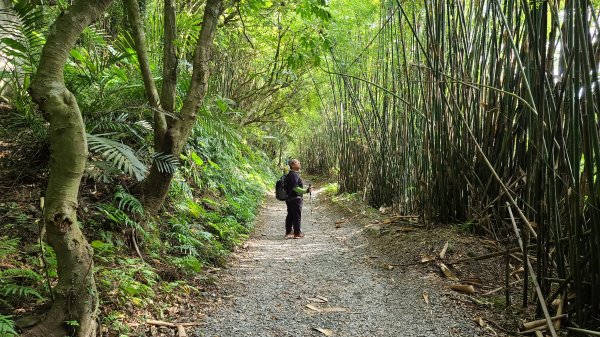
[212,203]
[405,242]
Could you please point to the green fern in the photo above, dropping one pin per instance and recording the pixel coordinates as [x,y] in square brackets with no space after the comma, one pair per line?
[12,273]
[7,326]
[8,246]
[118,154]
[121,124]
[165,163]
[15,290]
[23,42]
[120,218]
[127,202]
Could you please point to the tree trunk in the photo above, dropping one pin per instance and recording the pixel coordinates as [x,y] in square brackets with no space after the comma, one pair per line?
[137,27]
[74,311]
[156,185]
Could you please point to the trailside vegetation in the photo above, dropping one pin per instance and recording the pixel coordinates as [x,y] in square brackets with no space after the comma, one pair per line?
[476,112]
[144,170]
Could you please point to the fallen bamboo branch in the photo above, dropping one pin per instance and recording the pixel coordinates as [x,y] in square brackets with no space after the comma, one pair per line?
[491,255]
[589,332]
[500,288]
[540,322]
[179,326]
[559,311]
[169,324]
[540,295]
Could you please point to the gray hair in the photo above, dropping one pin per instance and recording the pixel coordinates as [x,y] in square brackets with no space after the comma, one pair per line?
[293,161]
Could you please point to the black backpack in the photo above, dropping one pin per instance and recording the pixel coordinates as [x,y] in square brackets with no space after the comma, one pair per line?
[280,190]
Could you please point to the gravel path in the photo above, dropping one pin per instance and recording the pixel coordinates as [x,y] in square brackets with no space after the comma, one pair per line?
[270,282]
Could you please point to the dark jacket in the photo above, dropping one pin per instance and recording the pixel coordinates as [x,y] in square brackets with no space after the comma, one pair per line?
[292,181]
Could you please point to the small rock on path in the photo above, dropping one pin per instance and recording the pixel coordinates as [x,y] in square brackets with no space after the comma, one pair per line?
[270,282]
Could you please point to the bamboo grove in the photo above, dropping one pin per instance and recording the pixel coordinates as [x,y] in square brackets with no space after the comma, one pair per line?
[462,111]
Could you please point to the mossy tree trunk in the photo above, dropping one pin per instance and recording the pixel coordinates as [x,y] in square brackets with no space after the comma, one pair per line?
[173,138]
[74,310]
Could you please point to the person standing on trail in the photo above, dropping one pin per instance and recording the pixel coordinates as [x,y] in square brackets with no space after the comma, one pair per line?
[295,189]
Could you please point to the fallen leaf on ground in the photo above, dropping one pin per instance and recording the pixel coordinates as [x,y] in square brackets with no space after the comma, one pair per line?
[333,309]
[326,332]
[463,288]
[326,310]
[317,300]
[425,259]
[388,266]
[518,271]
[323,298]
[313,307]
[479,321]
[449,274]
[473,281]
[426,296]
[443,252]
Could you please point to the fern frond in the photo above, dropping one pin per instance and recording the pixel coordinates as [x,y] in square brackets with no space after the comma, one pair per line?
[118,154]
[119,217]
[7,326]
[127,202]
[13,273]
[15,290]
[165,163]
[116,215]
[120,123]
[23,42]
[215,125]
[8,246]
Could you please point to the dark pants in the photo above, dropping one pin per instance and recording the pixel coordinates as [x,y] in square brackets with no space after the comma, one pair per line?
[294,216]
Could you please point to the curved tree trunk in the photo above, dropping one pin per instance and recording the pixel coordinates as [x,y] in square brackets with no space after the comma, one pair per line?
[74,311]
[156,185]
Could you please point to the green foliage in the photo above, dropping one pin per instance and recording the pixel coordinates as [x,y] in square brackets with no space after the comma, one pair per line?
[345,197]
[330,189]
[114,320]
[128,280]
[19,280]
[165,163]
[103,251]
[117,216]
[222,175]
[7,327]
[24,41]
[188,263]
[120,155]
[8,246]
[127,202]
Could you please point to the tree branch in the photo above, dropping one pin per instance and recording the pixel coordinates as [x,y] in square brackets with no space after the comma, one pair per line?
[169,85]
[133,11]
[199,81]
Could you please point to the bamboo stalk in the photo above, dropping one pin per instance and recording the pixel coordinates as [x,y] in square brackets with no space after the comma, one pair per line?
[532,275]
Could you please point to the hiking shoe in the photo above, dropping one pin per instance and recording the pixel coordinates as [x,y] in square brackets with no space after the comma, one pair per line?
[298,236]
[289,236]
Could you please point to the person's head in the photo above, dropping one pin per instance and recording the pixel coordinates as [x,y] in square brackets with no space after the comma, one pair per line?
[294,165]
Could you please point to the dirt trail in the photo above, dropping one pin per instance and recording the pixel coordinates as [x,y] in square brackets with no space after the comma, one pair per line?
[270,281]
